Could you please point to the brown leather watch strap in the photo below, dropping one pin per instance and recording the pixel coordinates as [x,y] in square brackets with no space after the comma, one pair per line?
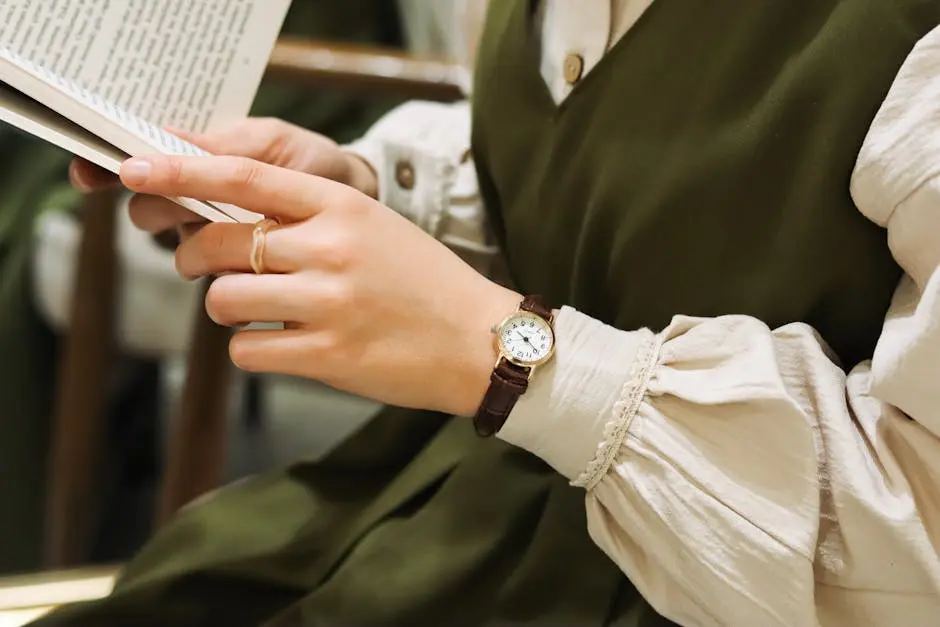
[535,304]
[507,383]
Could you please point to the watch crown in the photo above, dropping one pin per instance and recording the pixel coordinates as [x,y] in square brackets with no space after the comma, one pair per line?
[494,329]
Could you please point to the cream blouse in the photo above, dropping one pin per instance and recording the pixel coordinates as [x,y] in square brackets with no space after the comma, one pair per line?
[733,471]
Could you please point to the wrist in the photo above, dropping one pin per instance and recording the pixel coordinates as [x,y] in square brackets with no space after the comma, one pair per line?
[480,351]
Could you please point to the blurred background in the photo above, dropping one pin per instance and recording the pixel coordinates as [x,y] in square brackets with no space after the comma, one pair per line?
[117,401]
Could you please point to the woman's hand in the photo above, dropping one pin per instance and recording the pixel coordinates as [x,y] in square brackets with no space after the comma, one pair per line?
[371,304]
[268,140]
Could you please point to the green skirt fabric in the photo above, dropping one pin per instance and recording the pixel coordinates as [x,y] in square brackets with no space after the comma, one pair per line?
[413,521]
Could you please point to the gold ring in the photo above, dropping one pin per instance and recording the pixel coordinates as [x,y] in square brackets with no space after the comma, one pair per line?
[258,240]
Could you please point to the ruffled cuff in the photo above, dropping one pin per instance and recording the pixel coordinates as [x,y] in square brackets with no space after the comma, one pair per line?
[576,412]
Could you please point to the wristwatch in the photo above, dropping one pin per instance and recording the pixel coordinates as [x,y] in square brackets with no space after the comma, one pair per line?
[524,341]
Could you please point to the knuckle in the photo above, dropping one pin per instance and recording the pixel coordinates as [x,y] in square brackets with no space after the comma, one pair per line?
[336,297]
[352,202]
[245,173]
[202,251]
[336,347]
[335,252]
[328,342]
[241,127]
[212,239]
[175,174]
[271,126]
[275,135]
[188,230]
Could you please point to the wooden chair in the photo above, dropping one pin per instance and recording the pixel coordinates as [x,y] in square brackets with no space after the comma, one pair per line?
[196,449]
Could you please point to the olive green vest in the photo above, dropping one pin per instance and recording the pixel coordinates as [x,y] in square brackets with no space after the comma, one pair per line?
[703,167]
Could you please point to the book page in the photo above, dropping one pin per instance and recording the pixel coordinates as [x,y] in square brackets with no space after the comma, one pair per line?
[34,118]
[26,114]
[193,64]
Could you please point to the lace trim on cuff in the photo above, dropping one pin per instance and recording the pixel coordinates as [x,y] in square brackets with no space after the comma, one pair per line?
[624,411]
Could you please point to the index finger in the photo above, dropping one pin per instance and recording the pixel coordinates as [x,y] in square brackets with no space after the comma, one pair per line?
[275,192]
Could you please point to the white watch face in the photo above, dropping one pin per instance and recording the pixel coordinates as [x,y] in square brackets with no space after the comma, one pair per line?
[526,338]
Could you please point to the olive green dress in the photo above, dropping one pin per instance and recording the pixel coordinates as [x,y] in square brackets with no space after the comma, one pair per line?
[33,179]
[701,168]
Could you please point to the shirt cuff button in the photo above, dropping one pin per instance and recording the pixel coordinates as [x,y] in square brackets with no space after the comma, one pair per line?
[405,175]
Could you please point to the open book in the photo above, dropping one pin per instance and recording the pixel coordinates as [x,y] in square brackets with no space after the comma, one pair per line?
[101,78]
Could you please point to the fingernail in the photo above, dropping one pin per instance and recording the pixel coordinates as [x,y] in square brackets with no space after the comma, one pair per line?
[136,171]
[78,180]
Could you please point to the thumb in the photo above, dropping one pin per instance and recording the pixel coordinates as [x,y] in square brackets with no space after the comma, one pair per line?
[262,139]
[216,142]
